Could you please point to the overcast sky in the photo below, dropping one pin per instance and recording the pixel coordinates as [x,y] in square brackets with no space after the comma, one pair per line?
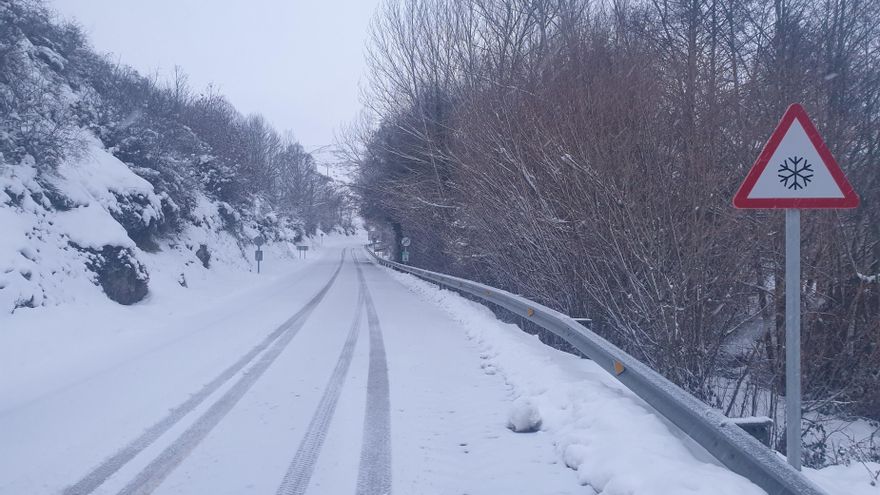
[298,62]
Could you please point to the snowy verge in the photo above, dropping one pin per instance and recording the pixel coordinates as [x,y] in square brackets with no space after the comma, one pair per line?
[47,348]
[614,441]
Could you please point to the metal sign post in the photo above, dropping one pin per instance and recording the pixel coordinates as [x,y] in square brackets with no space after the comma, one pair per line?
[795,170]
[793,336]
[258,255]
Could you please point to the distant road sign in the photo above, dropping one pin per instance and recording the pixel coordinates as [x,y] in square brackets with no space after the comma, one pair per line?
[258,256]
[405,242]
[259,240]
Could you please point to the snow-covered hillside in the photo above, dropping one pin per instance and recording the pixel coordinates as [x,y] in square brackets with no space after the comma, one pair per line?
[66,236]
[112,183]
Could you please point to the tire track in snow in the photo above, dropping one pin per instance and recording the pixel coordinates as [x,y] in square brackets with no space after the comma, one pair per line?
[171,456]
[299,473]
[374,472]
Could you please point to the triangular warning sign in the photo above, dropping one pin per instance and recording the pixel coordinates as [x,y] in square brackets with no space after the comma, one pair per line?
[795,170]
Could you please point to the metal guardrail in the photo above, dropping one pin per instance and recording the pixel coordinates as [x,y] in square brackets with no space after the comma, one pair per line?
[714,431]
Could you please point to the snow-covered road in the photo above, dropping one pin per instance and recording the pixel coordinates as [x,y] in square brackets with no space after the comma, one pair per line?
[332,376]
[334,379]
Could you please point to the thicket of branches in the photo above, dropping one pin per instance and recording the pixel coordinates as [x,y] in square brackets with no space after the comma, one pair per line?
[52,85]
[585,154]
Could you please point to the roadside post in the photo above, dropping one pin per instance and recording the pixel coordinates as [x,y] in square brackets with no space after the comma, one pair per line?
[794,171]
[404,256]
[258,254]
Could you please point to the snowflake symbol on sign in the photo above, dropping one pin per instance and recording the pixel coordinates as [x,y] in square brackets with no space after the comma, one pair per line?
[795,172]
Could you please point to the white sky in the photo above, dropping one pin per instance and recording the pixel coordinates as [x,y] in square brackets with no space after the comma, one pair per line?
[297,62]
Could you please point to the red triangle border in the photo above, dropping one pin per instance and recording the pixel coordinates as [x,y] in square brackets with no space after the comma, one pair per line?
[849,200]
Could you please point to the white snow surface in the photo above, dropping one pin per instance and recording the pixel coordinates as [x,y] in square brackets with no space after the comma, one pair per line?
[80,381]
[77,381]
[524,416]
[97,176]
[847,480]
[46,348]
[81,378]
[615,441]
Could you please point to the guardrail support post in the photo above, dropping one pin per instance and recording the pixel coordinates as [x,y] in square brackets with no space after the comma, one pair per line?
[756,427]
[586,322]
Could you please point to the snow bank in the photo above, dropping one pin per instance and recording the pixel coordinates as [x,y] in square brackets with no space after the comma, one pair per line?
[615,442]
[97,176]
[854,479]
[37,264]
[524,416]
[59,229]
[90,226]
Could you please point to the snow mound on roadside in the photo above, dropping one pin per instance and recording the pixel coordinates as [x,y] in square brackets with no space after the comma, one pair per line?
[524,416]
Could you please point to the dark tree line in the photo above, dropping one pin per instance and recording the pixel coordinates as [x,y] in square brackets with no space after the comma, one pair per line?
[585,154]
